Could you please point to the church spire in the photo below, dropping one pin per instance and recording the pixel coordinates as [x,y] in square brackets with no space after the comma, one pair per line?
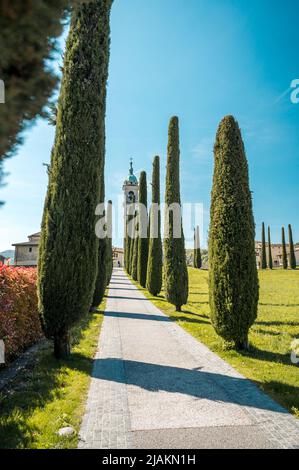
[131,171]
[131,178]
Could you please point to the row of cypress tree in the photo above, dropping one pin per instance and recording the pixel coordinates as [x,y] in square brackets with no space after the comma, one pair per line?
[286,260]
[74,265]
[143,253]
[233,280]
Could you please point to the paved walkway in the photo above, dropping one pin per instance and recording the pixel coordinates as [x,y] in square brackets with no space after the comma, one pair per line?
[155,386]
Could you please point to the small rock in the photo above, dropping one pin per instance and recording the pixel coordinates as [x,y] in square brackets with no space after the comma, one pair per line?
[68,431]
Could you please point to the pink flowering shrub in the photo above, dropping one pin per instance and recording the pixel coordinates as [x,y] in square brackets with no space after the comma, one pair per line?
[19,321]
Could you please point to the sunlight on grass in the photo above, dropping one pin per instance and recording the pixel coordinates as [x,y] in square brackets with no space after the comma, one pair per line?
[50,394]
[268,361]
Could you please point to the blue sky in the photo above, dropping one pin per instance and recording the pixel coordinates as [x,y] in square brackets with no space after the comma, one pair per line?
[200,60]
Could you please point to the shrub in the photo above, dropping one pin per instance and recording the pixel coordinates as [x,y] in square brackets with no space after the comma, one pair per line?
[19,320]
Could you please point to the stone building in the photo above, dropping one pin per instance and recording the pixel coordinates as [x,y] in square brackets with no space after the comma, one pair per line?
[276,250]
[118,257]
[26,253]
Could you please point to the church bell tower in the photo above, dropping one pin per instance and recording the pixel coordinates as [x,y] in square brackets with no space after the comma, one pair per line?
[130,188]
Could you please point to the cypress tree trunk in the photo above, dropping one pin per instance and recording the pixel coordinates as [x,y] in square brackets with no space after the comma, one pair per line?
[293,263]
[175,266]
[233,280]
[264,256]
[68,246]
[154,264]
[270,259]
[284,250]
[143,232]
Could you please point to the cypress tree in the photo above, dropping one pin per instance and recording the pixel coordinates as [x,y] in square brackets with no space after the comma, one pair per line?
[264,256]
[154,264]
[197,263]
[29,36]
[132,241]
[100,284]
[175,266]
[293,263]
[127,245]
[233,280]
[68,247]
[284,250]
[134,260]
[143,232]
[109,257]
[270,259]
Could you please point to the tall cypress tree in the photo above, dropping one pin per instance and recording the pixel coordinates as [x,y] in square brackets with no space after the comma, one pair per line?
[264,256]
[233,279]
[154,264]
[101,279]
[68,247]
[284,250]
[29,34]
[197,252]
[270,259]
[175,266]
[293,263]
[109,250]
[132,241]
[134,261]
[128,241]
[143,231]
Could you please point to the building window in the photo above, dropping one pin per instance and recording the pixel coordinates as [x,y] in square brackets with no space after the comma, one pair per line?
[30,249]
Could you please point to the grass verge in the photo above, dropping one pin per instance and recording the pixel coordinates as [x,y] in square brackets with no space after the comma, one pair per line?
[50,394]
[268,362]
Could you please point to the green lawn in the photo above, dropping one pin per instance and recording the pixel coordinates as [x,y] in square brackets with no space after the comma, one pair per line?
[50,394]
[268,362]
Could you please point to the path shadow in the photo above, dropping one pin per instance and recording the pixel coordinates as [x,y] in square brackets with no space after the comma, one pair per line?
[263,355]
[189,320]
[277,323]
[138,316]
[193,382]
[268,332]
[127,297]
[121,283]
[123,288]
[188,312]
[278,305]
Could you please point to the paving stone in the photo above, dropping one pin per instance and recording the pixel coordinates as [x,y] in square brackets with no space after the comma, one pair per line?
[150,377]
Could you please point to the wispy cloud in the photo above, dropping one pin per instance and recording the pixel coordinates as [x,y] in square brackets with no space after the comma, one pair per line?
[203,151]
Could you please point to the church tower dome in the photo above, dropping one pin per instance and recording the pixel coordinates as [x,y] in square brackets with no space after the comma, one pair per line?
[131,177]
